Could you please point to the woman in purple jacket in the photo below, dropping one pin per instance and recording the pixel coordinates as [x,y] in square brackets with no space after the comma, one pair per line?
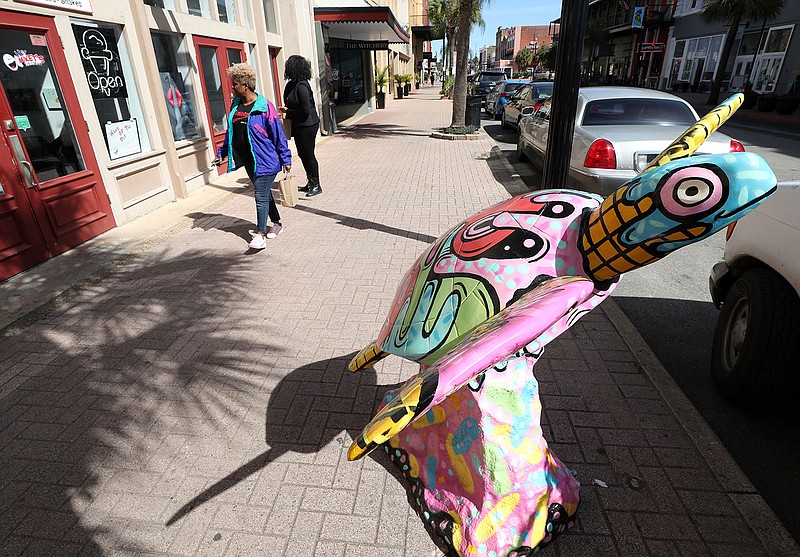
[255,140]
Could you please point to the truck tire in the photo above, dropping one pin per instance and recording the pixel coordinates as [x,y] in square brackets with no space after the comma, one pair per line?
[755,358]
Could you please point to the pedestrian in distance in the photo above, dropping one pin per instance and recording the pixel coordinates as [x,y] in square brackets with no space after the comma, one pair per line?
[433,78]
[300,110]
[255,141]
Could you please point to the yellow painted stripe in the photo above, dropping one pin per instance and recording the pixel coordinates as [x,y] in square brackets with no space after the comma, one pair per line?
[495,518]
[692,138]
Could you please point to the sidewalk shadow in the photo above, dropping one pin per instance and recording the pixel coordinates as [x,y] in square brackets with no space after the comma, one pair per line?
[513,185]
[378,131]
[226,223]
[310,408]
[361,224]
[106,370]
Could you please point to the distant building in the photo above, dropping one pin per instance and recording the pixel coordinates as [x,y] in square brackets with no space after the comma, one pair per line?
[486,56]
[510,40]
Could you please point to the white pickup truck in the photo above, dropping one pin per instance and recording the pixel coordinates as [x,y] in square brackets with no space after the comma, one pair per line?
[755,360]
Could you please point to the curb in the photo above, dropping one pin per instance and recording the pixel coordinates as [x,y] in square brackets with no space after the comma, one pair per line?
[459,137]
[744,496]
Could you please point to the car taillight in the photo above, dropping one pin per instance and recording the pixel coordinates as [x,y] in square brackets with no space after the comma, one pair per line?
[600,155]
[503,94]
[729,230]
[536,105]
[736,147]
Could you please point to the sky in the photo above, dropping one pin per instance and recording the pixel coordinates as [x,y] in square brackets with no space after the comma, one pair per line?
[507,13]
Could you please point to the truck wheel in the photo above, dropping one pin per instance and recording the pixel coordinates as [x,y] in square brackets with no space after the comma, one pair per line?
[755,355]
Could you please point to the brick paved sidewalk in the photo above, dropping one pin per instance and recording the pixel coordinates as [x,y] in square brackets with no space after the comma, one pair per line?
[193,398]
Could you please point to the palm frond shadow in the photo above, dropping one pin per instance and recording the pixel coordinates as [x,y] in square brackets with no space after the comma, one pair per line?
[378,131]
[133,356]
[310,407]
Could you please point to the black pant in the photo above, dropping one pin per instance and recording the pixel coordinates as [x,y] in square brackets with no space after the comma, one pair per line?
[305,138]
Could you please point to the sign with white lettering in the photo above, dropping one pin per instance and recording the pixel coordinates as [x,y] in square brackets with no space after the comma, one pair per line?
[83,6]
[98,50]
[123,138]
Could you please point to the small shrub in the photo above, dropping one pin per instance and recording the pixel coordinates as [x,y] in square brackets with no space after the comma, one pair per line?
[466,130]
[447,86]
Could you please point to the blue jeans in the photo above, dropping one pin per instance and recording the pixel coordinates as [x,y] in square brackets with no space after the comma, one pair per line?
[264,200]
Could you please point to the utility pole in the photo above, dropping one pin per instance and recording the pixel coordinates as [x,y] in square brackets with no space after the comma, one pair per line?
[574,14]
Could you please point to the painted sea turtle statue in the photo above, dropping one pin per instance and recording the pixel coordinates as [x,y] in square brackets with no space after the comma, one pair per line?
[477,309]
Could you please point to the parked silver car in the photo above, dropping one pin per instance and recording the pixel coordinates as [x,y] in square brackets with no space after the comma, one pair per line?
[618,132]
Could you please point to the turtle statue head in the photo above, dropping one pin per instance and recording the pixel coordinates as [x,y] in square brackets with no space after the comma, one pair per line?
[676,201]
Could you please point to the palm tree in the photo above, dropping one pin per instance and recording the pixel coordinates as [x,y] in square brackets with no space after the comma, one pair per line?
[524,59]
[442,15]
[469,14]
[732,12]
[546,56]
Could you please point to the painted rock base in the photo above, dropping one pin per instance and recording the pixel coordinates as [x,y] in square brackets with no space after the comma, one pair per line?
[480,474]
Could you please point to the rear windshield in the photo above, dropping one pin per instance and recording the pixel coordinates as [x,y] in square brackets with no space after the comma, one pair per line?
[637,111]
[492,76]
[543,90]
[513,86]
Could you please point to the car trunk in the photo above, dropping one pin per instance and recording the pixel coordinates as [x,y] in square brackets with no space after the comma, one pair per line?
[637,146]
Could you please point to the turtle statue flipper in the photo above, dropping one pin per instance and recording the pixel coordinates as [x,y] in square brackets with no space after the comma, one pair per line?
[367,357]
[505,333]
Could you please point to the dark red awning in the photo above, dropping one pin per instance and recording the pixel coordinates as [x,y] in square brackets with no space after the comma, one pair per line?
[368,23]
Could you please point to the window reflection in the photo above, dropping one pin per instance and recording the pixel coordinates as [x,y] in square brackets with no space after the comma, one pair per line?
[199,8]
[213,87]
[176,85]
[35,97]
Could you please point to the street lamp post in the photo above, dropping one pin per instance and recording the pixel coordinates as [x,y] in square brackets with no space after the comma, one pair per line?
[534,46]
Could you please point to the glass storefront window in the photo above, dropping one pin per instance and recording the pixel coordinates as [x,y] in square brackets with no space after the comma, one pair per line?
[34,96]
[246,13]
[167,4]
[174,67]
[778,39]
[749,43]
[226,12]
[199,8]
[269,14]
[116,99]
[348,82]
[213,88]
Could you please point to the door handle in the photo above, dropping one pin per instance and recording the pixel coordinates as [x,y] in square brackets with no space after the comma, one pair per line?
[26,168]
[28,172]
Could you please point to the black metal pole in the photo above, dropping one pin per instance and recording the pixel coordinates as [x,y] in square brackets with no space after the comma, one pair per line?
[569,53]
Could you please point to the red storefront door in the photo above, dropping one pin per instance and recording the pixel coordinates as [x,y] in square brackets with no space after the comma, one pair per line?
[51,195]
[215,56]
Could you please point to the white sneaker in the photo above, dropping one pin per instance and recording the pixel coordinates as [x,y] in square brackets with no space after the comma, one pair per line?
[258,242]
[274,230]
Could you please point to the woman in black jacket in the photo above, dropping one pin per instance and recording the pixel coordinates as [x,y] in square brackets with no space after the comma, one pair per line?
[302,112]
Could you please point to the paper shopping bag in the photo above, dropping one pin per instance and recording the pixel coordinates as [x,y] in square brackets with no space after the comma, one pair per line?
[287,186]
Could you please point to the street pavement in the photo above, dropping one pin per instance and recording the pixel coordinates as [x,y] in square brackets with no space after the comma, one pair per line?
[164,390]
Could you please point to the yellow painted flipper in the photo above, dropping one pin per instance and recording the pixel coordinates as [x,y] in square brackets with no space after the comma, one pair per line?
[368,356]
[692,138]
